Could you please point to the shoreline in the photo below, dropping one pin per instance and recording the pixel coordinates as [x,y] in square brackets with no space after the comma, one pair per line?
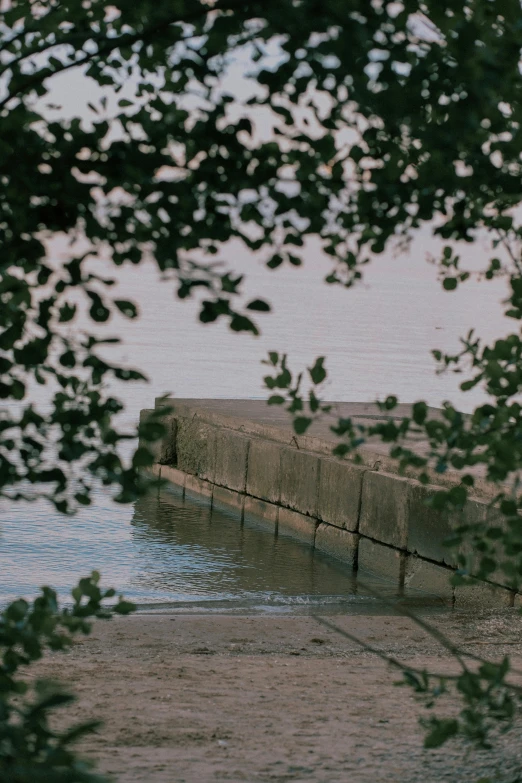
[204,698]
[239,456]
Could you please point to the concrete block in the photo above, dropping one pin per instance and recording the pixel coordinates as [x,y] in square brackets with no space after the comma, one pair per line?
[340,486]
[336,542]
[299,480]
[264,470]
[385,508]
[257,511]
[198,488]
[427,527]
[487,517]
[381,560]
[295,525]
[231,459]
[226,499]
[482,595]
[163,450]
[428,577]
[173,475]
[196,448]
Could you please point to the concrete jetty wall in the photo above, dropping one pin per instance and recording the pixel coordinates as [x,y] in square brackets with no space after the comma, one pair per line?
[244,455]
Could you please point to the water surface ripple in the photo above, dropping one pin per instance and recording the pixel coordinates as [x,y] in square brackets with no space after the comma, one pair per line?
[171,551]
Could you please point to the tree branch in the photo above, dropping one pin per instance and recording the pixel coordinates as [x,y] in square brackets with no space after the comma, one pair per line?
[517,262]
[116,43]
[394,661]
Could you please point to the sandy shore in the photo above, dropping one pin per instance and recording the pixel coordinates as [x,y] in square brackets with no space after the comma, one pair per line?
[191,699]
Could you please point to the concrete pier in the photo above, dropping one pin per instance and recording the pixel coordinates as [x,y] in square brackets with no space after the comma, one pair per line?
[244,454]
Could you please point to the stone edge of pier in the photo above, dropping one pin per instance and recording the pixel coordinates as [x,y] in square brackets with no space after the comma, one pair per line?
[364,515]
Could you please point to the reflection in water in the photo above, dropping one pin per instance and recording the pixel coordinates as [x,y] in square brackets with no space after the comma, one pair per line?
[194,554]
[170,551]
[165,550]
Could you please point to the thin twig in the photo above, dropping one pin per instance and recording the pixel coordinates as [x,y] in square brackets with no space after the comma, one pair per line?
[507,246]
[376,651]
[429,629]
[403,667]
[116,43]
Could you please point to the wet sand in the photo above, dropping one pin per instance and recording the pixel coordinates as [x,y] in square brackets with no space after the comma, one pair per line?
[203,698]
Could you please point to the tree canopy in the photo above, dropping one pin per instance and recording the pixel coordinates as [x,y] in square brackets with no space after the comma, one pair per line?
[263,123]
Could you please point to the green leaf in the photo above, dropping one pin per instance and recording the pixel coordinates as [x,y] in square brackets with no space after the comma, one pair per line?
[83,498]
[442,729]
[240,323]
[142,458]
[17,610]
[68,359]
[76,594]
[67,312]
[317,372]
[419,412]
[260,305]
[390,403]
[128,309]
[77,732]
[294,260]
[99,312]
[124,374]
[151,431]
[449,283]
[275,261]
[301,424]
[467,385]
[124,607]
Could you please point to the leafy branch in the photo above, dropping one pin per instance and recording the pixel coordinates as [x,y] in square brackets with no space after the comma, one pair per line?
[30,749]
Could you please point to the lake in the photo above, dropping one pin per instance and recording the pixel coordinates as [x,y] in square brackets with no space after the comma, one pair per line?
[377,338]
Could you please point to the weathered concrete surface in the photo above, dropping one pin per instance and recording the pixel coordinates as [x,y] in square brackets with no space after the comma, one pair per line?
[164,450]
[255,417]
[428,528]
[340,486]
[256,510]
[381,560]
[427,577]
[299,481]
[173,475]
[384,508]
[228,498]
[336,542]
[196,448]
[264,470]
[231,460]
[296,525]
[198,487]
[483,595]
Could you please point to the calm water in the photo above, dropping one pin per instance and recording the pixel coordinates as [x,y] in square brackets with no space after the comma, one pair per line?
[377,338]
[165,550]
